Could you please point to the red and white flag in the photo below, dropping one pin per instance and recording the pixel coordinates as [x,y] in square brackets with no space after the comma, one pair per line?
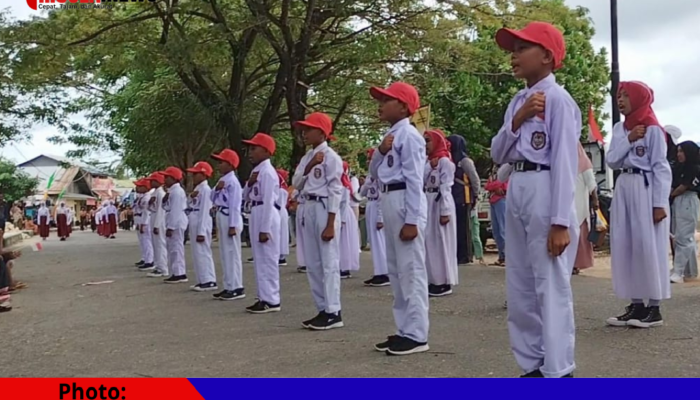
[594,134]
[37,246]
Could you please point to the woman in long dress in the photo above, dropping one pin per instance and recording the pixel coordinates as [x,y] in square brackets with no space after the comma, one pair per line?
[62,221]
[686,207]
[43,216]
[441,231]
[585,189]
[349,231]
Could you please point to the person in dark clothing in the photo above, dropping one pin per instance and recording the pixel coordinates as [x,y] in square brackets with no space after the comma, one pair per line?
[465,191]
[4,217]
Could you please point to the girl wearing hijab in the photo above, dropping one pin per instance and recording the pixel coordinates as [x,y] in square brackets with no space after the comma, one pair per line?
[639,227]
[284,215]
[686,207]
[441,230]
[585,190]
[43,217]
[465,191]
[62,221]
[349,230]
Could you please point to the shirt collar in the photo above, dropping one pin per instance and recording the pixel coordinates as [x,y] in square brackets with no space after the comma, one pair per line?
[321,147]
[399,125]
[543,84]
[262,165]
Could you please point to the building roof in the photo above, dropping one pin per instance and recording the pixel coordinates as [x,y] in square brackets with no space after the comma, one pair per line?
[64,160]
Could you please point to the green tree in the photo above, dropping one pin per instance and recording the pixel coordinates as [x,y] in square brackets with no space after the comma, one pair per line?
[15,184]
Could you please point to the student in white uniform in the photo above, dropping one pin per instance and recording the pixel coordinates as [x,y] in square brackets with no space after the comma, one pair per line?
[318,179]
[112,219]
[69,220]
[441,233]
[542,229]
[142,220]
[227,197]
[639,227]
[175,204]
[43,218]
[262,190]
[398,165]
[349,230]
[301,260]
[61,217]
[284,216]
[201,226]
[375,226]
[155,207]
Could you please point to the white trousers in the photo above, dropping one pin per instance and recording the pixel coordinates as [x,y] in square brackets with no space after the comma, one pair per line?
[230,250]
[322,258]
[266,256]
[146,244]
[160,251]
[284,233]
[406,267]
[540,303]
[176,252]
[377,242]
[202,259]
[301,260]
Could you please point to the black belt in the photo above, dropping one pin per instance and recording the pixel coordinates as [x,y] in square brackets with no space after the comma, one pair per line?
[526,166]
[138,215]
[432,190]
[259,203]
[372,199]
[223,210]
[637,171]
[392,187]
[313,197]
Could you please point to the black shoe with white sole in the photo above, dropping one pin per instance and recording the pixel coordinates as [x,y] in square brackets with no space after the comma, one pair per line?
[217,296]
[147,267]
[384,346]
[230,295]
[262,307]
[155,274]
[176,279]
[378,281]
[651,319]
[308,322]
[345,275]
[633,311]
[301,270]
[405,346]
[250,260]
[533,374]
[326,321]
[206,287]
[283,262]
[140,263]
[439,290]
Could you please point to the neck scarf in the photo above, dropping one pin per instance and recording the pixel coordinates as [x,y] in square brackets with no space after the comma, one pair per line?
[641,98]
[345,178]
[441,147]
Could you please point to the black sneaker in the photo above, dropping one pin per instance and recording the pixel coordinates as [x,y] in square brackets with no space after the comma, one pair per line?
[384,346]
[283,262]
[147,267]
[651,319]
[326,322]
[439,290]
[345,275]
[217,296]
[176,279]
[633,311]
[534,374]
[262,307]
[233,295]
[308,322]
[206,287]
[250,260]
[378,281]
[140,263]
[301,270]
[405,346]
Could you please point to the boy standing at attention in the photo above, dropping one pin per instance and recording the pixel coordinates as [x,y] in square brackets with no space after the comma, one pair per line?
[540,136]
[398,165]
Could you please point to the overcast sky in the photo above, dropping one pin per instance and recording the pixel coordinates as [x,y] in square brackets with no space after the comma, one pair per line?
[656,46]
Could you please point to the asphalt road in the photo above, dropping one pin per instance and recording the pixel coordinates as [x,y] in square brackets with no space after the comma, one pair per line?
[138,326]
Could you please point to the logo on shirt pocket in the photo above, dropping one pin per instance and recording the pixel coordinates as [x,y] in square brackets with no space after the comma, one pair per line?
[390,161]
[372,191]
[255,190]
[317,173]
[432,179]
[640,151]
[539,140]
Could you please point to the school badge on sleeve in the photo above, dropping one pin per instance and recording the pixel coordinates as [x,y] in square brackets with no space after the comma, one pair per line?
[640,151]
[317,173]
[390,161]
[539,140]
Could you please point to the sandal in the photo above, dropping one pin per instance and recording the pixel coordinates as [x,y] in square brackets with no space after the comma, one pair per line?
[576,271]
[500,263]
[19,285]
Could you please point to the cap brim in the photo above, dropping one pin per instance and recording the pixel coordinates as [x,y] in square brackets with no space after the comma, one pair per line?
[505,38]
[193,171]
[250,143]
[379,93]
[304,124]
[218,157]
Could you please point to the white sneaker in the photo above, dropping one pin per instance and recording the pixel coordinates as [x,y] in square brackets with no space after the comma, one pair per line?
[675,278]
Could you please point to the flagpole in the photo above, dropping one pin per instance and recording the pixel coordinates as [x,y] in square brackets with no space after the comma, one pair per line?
[615,67]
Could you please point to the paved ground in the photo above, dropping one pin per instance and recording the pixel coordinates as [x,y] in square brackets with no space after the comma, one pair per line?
[138,326]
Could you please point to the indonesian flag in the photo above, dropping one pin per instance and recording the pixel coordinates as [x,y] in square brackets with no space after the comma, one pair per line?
[594,134]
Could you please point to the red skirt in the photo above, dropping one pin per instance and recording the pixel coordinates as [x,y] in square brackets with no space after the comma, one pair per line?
[61,221]
[44,227]
[112,224]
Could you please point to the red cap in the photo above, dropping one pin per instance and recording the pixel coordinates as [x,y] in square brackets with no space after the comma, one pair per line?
[263,140]
[157,176]
[540,33]
[320,121]
[201,167]
[229,156]
[173,172]
[400,91]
